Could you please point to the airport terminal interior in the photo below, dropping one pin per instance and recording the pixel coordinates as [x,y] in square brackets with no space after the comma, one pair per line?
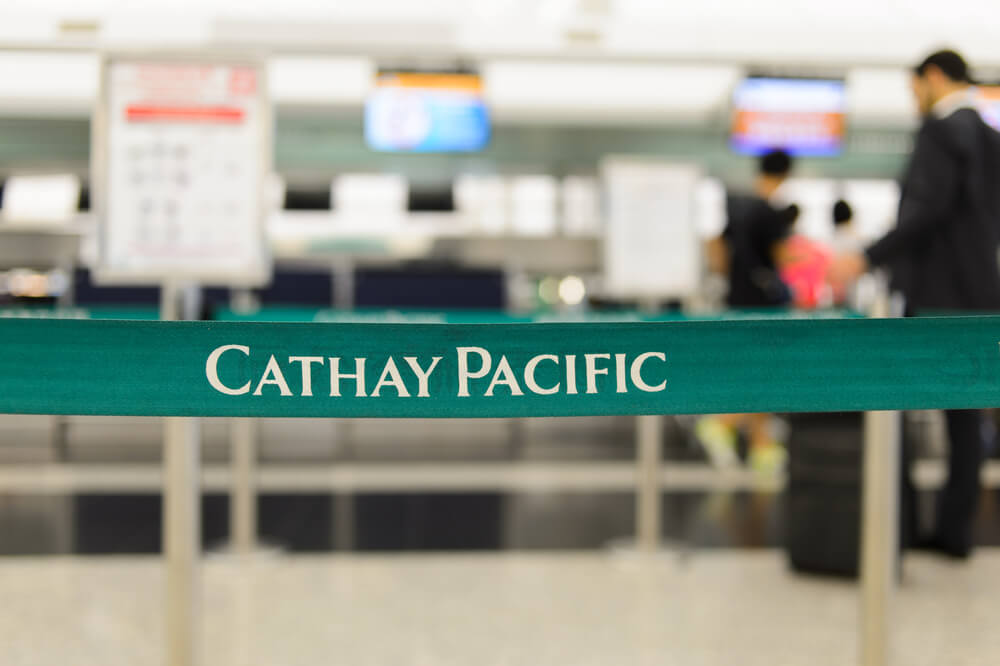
[488,162]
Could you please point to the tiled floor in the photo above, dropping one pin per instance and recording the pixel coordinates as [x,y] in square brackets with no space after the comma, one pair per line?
[720,607]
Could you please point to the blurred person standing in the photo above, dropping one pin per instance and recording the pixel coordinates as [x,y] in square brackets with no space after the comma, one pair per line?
[845,236]
[804,263]
[845,239]
[943,255]
[748,253]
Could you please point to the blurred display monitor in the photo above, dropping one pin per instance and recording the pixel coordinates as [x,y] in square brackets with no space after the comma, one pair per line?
[805,117]
[427,112]
[533,205]
[989,105]
[370,202]
[482,201]
[40,199]
[370,193]
[581,206]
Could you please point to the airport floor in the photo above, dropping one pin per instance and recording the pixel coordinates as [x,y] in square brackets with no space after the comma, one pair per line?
[708,608]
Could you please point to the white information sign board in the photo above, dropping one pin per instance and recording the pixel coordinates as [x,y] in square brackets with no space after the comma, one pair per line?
[651,246]
[182,152]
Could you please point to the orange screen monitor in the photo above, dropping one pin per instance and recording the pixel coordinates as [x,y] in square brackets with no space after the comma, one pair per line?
[802,116]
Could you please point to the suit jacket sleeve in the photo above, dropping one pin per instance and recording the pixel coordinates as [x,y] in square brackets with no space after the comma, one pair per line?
[931,186]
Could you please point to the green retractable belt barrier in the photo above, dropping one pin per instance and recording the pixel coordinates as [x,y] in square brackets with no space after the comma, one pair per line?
[496,370]
[473,316]
[73,312]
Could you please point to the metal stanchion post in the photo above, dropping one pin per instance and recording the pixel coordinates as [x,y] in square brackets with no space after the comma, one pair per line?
[243,495]
[880,525]
[181,523]
[342,275]
[243,461]
[344,283]
[182,539]
[343,521]
[649,445]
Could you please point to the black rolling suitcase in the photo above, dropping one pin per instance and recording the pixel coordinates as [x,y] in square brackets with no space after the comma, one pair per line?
[823,495]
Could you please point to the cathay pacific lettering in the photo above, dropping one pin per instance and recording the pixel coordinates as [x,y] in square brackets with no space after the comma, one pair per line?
[479,373]
[501,374]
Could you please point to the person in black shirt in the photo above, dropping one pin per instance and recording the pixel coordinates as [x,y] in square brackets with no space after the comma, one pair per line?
[748,250]
[748,253]
[943,254]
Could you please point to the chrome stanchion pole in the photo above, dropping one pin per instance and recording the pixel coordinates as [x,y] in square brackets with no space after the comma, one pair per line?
[243,461]
[243,493]
[649,446]
[182,540]
[880,525]
[181,523]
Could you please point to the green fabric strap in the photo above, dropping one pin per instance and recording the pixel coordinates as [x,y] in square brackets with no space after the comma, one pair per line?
[496,370]
[393,316]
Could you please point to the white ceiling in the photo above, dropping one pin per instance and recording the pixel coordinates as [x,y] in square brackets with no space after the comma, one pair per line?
[573,60]
[592,91]
[872,32]
[517,90]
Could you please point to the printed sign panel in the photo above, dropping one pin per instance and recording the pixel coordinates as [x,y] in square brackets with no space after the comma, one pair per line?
[183,149]
[651,247]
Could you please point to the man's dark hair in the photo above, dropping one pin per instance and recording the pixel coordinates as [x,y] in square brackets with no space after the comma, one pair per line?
[949,62]
[775,163]
[842,213]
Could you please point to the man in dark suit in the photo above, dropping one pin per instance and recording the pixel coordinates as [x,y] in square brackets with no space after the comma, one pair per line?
[943,254]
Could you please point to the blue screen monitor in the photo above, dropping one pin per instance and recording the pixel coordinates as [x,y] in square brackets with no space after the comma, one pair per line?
[421,112]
